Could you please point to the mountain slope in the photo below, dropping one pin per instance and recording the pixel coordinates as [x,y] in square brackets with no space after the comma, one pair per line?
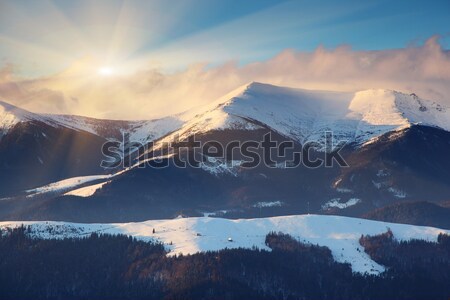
[418,213]
[298,114]
[138,131]
[397,151]
[35,153]
[305,115]
[408,164]
[37,149]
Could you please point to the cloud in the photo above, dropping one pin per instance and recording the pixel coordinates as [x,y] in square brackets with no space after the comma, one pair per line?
[150,93]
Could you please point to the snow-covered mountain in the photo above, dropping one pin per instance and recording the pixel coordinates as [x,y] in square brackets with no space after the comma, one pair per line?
[397,151]
[191,235]
[302,115]
[305,115]
[138,131]
[50,148]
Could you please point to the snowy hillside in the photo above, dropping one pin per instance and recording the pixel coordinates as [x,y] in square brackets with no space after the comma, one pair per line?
[139,131]
[306,115]
[68,184]
[10,115]
[191,235]
[82,186]
[302,115]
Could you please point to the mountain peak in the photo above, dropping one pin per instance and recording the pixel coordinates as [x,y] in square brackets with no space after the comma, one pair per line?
[306,115]
[300,114]
[388,107]
[10,115]
[6,107]
[259,85]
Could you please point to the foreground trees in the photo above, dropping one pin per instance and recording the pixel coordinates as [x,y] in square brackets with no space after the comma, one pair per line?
[120,267]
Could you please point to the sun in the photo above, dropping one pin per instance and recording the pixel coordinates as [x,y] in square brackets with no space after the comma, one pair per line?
[106,71]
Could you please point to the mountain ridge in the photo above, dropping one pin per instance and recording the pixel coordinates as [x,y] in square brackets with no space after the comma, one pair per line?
[306,115]
[396,152]
[301,114]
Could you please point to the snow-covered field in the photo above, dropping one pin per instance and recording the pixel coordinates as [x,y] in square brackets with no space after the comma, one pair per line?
[191,235]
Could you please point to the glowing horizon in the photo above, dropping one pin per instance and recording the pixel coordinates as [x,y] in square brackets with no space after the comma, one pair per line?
[131,59]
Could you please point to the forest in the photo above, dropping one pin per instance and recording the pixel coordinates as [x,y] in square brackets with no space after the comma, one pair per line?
[121,267]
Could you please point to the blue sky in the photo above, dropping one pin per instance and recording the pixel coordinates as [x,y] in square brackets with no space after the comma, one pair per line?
[42,37]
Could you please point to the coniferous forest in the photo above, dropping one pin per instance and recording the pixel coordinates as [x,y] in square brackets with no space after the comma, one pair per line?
[121,267]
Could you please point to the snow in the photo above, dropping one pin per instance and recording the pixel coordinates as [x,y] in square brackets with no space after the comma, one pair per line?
[87,190]
[216,166]
[191,235]
[382,173]
[397,193]
[425,112]
[146,131]
[139,131]
[65,185]
[378,185]
[306,115]
[335,203]
[376,112]
[216,213]
[10,115]
[268,204]
[344,190]
[303,115]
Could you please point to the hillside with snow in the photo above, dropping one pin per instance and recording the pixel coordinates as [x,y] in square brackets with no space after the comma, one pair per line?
[138,131]
[191,235]
[305,115]
[68,184]
[62,155]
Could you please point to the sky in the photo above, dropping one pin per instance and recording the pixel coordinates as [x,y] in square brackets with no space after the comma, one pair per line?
[146,59]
